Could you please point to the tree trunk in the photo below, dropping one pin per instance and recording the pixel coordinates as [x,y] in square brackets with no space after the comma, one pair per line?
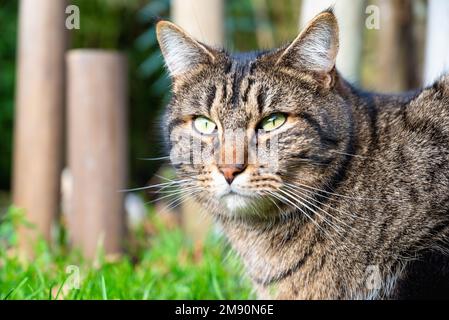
[97,150]
[397,53]
[203,19]
[39,115]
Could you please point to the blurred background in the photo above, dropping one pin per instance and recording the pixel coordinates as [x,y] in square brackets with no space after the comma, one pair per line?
[387,46]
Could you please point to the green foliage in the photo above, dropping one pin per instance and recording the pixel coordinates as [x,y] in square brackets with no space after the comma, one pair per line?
[8,27]
[167,266]
[104,23]
[260,24]
[147,42]
[240,26]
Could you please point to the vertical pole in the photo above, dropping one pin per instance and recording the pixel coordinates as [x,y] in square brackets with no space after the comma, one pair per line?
[350,18]
[204,20]
[397,50]
[437,46]
[97,148]
[38,131]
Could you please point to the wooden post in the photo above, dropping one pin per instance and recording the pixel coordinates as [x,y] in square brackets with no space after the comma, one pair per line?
[350,18]
[39,115]
[396,47]
[204,20]
[97,148]
[437,47]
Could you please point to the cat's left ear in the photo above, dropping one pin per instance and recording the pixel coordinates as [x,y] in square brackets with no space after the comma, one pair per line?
[316,47]
[181,52]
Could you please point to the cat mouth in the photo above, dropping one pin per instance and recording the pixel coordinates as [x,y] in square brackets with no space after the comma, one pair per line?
[235,194]
[232,192]
[244,205]
[234,201]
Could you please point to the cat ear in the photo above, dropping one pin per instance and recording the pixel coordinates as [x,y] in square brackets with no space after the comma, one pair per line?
[181,52]
[316,47]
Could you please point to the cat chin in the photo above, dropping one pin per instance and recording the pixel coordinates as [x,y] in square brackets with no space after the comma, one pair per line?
[235,203]
[242,206]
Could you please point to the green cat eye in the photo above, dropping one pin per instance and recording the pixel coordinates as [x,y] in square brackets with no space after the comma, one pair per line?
[273,122]
[204,125]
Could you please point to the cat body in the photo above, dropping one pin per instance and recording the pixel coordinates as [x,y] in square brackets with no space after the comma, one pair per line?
[397,174]
[357,206]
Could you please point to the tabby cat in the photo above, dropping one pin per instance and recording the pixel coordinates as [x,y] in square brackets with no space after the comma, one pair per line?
[357,203]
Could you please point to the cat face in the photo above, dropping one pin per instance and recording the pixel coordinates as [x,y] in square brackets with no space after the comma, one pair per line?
[247,130]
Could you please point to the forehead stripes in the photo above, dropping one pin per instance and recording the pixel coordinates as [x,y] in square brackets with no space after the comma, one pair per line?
[238,91]
[247,89]
[239,71]
[239,74]
[210,96]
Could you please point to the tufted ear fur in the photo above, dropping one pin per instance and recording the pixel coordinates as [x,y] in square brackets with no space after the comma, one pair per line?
[316,47]
[181,52]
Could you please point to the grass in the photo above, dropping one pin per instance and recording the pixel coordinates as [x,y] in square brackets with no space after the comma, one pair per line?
[160,265]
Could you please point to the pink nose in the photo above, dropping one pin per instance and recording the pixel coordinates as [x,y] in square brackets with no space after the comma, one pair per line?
[232,171]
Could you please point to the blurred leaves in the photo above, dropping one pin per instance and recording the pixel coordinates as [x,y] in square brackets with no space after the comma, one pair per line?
[104,23]
[8,27]
[147,42]
[260,24]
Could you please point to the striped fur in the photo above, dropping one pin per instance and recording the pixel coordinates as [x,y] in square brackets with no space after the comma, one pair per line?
[363,178]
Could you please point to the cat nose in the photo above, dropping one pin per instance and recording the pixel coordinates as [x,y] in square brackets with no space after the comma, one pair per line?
[232,171]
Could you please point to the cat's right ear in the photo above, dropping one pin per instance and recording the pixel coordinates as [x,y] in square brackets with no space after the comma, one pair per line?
[181,52]
[315,49]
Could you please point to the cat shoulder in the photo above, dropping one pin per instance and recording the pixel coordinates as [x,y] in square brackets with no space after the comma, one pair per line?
[441,86]
[434,98]
[439,89]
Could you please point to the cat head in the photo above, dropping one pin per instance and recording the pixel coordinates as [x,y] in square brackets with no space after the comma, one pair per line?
[248,131]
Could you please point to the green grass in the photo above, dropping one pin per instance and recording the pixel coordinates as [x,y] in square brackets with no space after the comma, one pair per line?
[163,265]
